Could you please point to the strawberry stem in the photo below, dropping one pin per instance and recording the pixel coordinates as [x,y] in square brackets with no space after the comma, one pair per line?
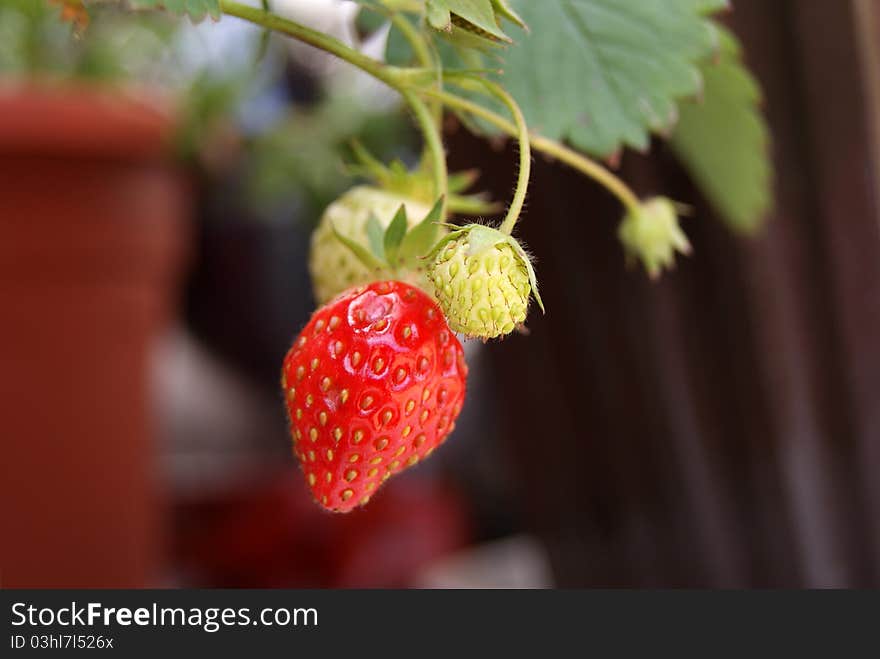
[375,68]
[552,148]
[433,144]
[422,51]
[401,80]
[522,134]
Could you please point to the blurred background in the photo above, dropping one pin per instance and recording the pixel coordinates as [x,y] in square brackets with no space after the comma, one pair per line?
[158,185]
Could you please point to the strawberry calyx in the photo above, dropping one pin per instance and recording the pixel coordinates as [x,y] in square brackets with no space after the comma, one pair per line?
[652,234]
[397,179]
[397,251]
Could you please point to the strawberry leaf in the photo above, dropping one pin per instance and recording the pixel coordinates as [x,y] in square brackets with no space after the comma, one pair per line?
[723,140]
[394,234]
[605,74]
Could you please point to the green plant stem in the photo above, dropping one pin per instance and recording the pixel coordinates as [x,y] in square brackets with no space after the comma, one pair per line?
[375,68]
[525,152]
[425,59]
[387,74]
[414,39]
[397,79]
[433,144]
[546,146]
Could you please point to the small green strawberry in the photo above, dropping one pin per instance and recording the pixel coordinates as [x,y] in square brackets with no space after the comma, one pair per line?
[653,235]
[483,279]
[333,267]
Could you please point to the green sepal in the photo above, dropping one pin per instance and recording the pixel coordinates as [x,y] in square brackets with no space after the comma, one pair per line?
[421,237]
[455,232]
[367,164]
[395,177]
[438,15]
[461,38]
[475,204]
[502,8]
[461,181]
[362,253]
[481,238]
[375,236]
[533,278]
[477,17]
[394,235]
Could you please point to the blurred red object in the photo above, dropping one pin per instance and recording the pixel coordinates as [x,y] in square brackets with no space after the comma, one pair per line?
[93,237]
[271,534]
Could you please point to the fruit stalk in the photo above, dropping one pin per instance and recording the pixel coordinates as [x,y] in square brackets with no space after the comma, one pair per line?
[315,38]
[425,59]
[549,147]
[434,144]
[398,79]
[522,134]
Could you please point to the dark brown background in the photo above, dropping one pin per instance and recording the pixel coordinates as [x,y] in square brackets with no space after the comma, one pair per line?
[720,427]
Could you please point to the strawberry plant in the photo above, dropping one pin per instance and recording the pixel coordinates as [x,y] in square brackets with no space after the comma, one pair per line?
[573,80]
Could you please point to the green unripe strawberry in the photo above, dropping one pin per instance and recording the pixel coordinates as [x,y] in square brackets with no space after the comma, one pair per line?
[334,268]
[652,234]
[483,280]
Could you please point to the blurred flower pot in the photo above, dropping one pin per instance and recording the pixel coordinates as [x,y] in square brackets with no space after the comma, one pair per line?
[93,236]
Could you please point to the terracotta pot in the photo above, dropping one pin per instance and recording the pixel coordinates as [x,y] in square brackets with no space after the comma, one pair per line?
[93,231]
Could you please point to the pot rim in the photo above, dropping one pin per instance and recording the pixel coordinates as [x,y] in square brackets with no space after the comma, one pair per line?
[80,119]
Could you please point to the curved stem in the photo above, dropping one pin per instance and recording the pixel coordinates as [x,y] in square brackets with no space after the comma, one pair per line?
[414,39]
[549,147]
[314,38]
[397,79]
[425,58]
[433,143]
[525,152]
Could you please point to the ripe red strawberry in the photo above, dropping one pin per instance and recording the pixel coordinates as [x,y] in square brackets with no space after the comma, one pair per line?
[373,384]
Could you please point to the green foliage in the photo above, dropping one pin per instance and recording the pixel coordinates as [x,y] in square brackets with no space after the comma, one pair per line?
[723,140]
[302,154]
[34,41]
[604,74]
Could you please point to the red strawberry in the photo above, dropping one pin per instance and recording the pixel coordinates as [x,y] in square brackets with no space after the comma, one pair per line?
[373,384]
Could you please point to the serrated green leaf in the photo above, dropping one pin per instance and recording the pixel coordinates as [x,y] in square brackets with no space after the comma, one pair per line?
[394,235]
[723,140]
[604,74]
[419,240]
[362,253]
[375,234]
